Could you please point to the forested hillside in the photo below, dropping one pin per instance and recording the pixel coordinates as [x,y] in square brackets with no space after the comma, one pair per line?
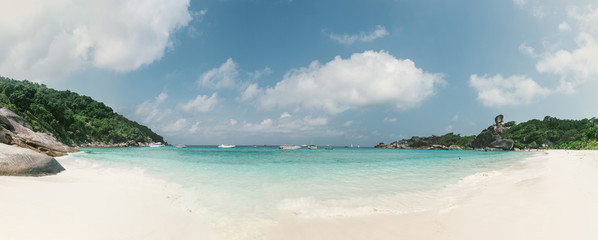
[555,133]
[70,117]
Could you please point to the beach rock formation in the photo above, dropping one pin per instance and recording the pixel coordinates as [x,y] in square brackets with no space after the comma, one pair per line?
[491,137]
[17,161]
[15,131]
[446,142]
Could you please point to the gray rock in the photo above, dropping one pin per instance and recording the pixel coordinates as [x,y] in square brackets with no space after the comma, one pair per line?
[454,147]
[16,161]
[491,137]
[381,145]
[505,144]
[438,147]
[16,132]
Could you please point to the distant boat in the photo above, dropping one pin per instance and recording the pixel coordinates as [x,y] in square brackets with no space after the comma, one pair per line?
[180,146]
[156,144]
[289,147]
[226,146]
[328,147]
[313,147]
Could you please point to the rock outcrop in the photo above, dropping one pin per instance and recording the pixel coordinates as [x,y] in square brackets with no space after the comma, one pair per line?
[17,161]
[448,141]
[15,131]
[491,137]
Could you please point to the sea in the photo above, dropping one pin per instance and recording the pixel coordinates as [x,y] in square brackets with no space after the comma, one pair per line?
[244,185]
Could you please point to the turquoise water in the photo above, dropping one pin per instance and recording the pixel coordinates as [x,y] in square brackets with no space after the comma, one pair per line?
[241,184]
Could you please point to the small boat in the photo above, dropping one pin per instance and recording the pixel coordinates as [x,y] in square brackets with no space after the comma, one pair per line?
[289,147]
[226,146]
[156,144]
[328,147]
[313,147]
[180,146]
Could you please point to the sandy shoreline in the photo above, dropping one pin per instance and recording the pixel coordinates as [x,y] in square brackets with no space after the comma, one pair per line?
[552,195]
[91,202]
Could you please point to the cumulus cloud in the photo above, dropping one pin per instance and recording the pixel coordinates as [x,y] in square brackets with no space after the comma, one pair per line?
[149,109]
[260,73]
[194,128]
[220,77]
[176,126]
[47,40]
[202,103]
[579,64]
[285,115]
[564,26]
[497,91]
[250,93]
[526,49]
[390,120]
[305,125]
[520,3]
[348,123]
[364,80]
[379,32]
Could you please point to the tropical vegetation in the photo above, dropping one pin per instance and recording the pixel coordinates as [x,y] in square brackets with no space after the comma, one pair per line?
[72,118]
[555,133]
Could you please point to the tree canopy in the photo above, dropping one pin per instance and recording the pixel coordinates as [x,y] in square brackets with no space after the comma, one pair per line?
[70,117]
[555,133]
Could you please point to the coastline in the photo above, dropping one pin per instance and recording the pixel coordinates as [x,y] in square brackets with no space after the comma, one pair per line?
[90,201]
[550,195]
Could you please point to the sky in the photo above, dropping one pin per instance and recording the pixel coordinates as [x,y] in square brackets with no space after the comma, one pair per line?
[311,72]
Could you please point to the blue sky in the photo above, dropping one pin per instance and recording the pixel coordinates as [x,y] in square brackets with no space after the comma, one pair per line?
[311,72]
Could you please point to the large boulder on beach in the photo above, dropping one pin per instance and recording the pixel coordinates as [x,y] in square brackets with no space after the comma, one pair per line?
[16,131]
[17,161]
[491,137]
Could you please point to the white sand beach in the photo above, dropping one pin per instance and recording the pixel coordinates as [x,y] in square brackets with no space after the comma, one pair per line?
[91,202]
[552,195]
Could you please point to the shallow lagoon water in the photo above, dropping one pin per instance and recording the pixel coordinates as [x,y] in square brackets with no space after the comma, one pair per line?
[253,183]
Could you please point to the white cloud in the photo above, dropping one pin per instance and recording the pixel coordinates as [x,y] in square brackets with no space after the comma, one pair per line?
[455,118]
[520,3]
[379,32]
[149,109]
[526,49]
[387,119]
[47,40]
[579,64]
[497,91]
[348,123]
[448,128]
[582,61]
[195,128]
[285,115]
[202,103]
[364,80]
[176,126]
[250,93]
[260,73]
[220,77]
[564,26]
[233,122]
[297,126]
